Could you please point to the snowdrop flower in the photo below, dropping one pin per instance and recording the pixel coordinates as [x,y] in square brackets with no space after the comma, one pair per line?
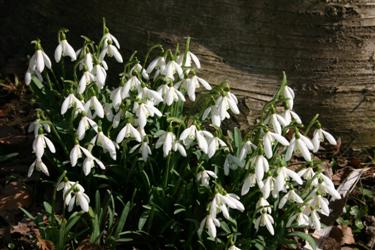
[171,68]
[169,142]
[158,64]
[152,95]
[247,148]
[144,149]
[117,119]
[106,144]
[233,247]
[64,49]
[290,196]
[265,220]
[318,137]
[88,163]
[249,182]
[263,205]
[190,57]
[277,122]
[145,110]
[283,174]
[38,61]
[230,200]
[307,173]
[214,143]
[269,138]
[268,186]
[289,96]
[74,194]
[100,75]
[315,220]
[193,83]
[108,38]
[261,167]
[171,94]
[87,61]
[320,204]
[84,124]
[40,143]
[301,219]
[327,186]
[138,68]
[128,131]
[204,177]
[177,146]
[111,51]
[224,103]
[36,125]
[210,222]
[85,80]
[72,101]
[301,144]
[132,84]
[191,134]
[290,115]
[93,103]
[39,165]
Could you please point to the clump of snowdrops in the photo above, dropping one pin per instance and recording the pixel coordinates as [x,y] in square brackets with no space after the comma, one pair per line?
[144,161]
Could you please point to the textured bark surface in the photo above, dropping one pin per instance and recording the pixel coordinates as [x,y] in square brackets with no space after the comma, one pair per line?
[326,47]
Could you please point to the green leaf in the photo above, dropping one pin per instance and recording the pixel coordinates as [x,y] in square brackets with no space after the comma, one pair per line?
[47,207]
[37,82]
[142,221]
[122,220]
[27,214]
[6,157]
[237,137]
[304,237]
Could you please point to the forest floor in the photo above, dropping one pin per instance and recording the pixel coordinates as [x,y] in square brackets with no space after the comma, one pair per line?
[351,225]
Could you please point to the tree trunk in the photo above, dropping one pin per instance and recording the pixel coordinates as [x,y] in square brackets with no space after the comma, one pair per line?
[325,47]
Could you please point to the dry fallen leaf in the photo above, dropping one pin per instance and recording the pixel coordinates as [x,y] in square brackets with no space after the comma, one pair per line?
[20,228]
[347,235]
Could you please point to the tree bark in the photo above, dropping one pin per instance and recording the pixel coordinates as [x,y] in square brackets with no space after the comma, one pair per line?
[325,47]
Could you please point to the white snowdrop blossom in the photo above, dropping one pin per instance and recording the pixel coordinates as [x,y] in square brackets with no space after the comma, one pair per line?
[210,223]
[74,193]
[233,247]
[87,61]
[128,131]
[191,134]
[38,165]
[302,145]
[290,196]
[88,163]
[171,68]
[265,220]
[84,124]
[93,103]
[168,141]
[106,144]
[86,79]
[36,125]
[214,143]
[132,84]
[150,95]
[249,182]
[100,75]
[261,167]
[159,64]
[301,218]
[269,138]
[108,38]
[203,177]
[289,96]
[145,110]
[38,61]
[111,51]
[247,148]
[171,94]
[277,122]
[193,83]
[40,143]
[319,136]
[72,102]
[189,58]
[284,174]
[144,149]
[64,49]
[139,69]
[290,115]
